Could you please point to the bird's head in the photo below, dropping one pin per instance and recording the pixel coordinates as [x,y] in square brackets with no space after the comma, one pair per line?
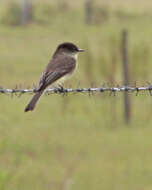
[69,49]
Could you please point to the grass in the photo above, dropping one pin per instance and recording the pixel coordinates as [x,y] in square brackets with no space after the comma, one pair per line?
[76,142]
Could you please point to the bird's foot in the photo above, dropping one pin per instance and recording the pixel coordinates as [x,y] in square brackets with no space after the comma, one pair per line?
[61,88]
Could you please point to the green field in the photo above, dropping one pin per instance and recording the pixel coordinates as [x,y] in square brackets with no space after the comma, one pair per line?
[76,142]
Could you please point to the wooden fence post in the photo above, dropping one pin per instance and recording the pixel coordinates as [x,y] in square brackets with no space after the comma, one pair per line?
[88,11]
[127,103]
[27,12]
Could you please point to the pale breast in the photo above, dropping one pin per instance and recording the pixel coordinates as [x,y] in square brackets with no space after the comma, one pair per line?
[66,77]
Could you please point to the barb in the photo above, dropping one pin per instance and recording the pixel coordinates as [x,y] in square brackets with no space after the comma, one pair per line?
[61,90]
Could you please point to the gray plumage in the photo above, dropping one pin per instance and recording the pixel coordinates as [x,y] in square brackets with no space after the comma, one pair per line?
[62,64]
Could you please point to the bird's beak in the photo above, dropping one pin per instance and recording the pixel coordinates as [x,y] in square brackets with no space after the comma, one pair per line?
[81,50]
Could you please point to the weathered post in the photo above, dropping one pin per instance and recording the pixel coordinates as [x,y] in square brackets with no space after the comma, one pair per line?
[127,103]
[27,12]
[88,11]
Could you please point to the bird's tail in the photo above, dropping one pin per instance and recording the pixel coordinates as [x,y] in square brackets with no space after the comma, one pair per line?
[33,102]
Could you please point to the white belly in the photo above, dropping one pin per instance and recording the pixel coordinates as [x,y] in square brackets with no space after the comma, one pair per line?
[64,78]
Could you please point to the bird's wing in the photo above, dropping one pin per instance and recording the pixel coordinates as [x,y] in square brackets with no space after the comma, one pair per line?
[56,69]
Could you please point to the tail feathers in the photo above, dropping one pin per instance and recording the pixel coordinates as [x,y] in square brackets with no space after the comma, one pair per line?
[33,102]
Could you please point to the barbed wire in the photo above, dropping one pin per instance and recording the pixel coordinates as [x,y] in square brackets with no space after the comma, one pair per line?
[62,90]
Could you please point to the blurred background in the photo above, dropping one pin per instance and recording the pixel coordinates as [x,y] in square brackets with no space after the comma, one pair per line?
[77,141]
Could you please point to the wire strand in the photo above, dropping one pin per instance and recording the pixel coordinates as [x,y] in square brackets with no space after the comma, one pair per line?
[62,90]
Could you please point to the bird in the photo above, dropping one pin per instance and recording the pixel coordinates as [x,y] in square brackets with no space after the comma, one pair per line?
[61,66]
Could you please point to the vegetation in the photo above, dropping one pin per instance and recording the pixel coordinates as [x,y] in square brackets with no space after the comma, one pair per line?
[77,141]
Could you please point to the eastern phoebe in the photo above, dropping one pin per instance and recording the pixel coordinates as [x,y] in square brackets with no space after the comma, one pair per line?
[62,65]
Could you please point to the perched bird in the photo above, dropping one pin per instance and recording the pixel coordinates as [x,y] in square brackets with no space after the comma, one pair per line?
[61,66]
